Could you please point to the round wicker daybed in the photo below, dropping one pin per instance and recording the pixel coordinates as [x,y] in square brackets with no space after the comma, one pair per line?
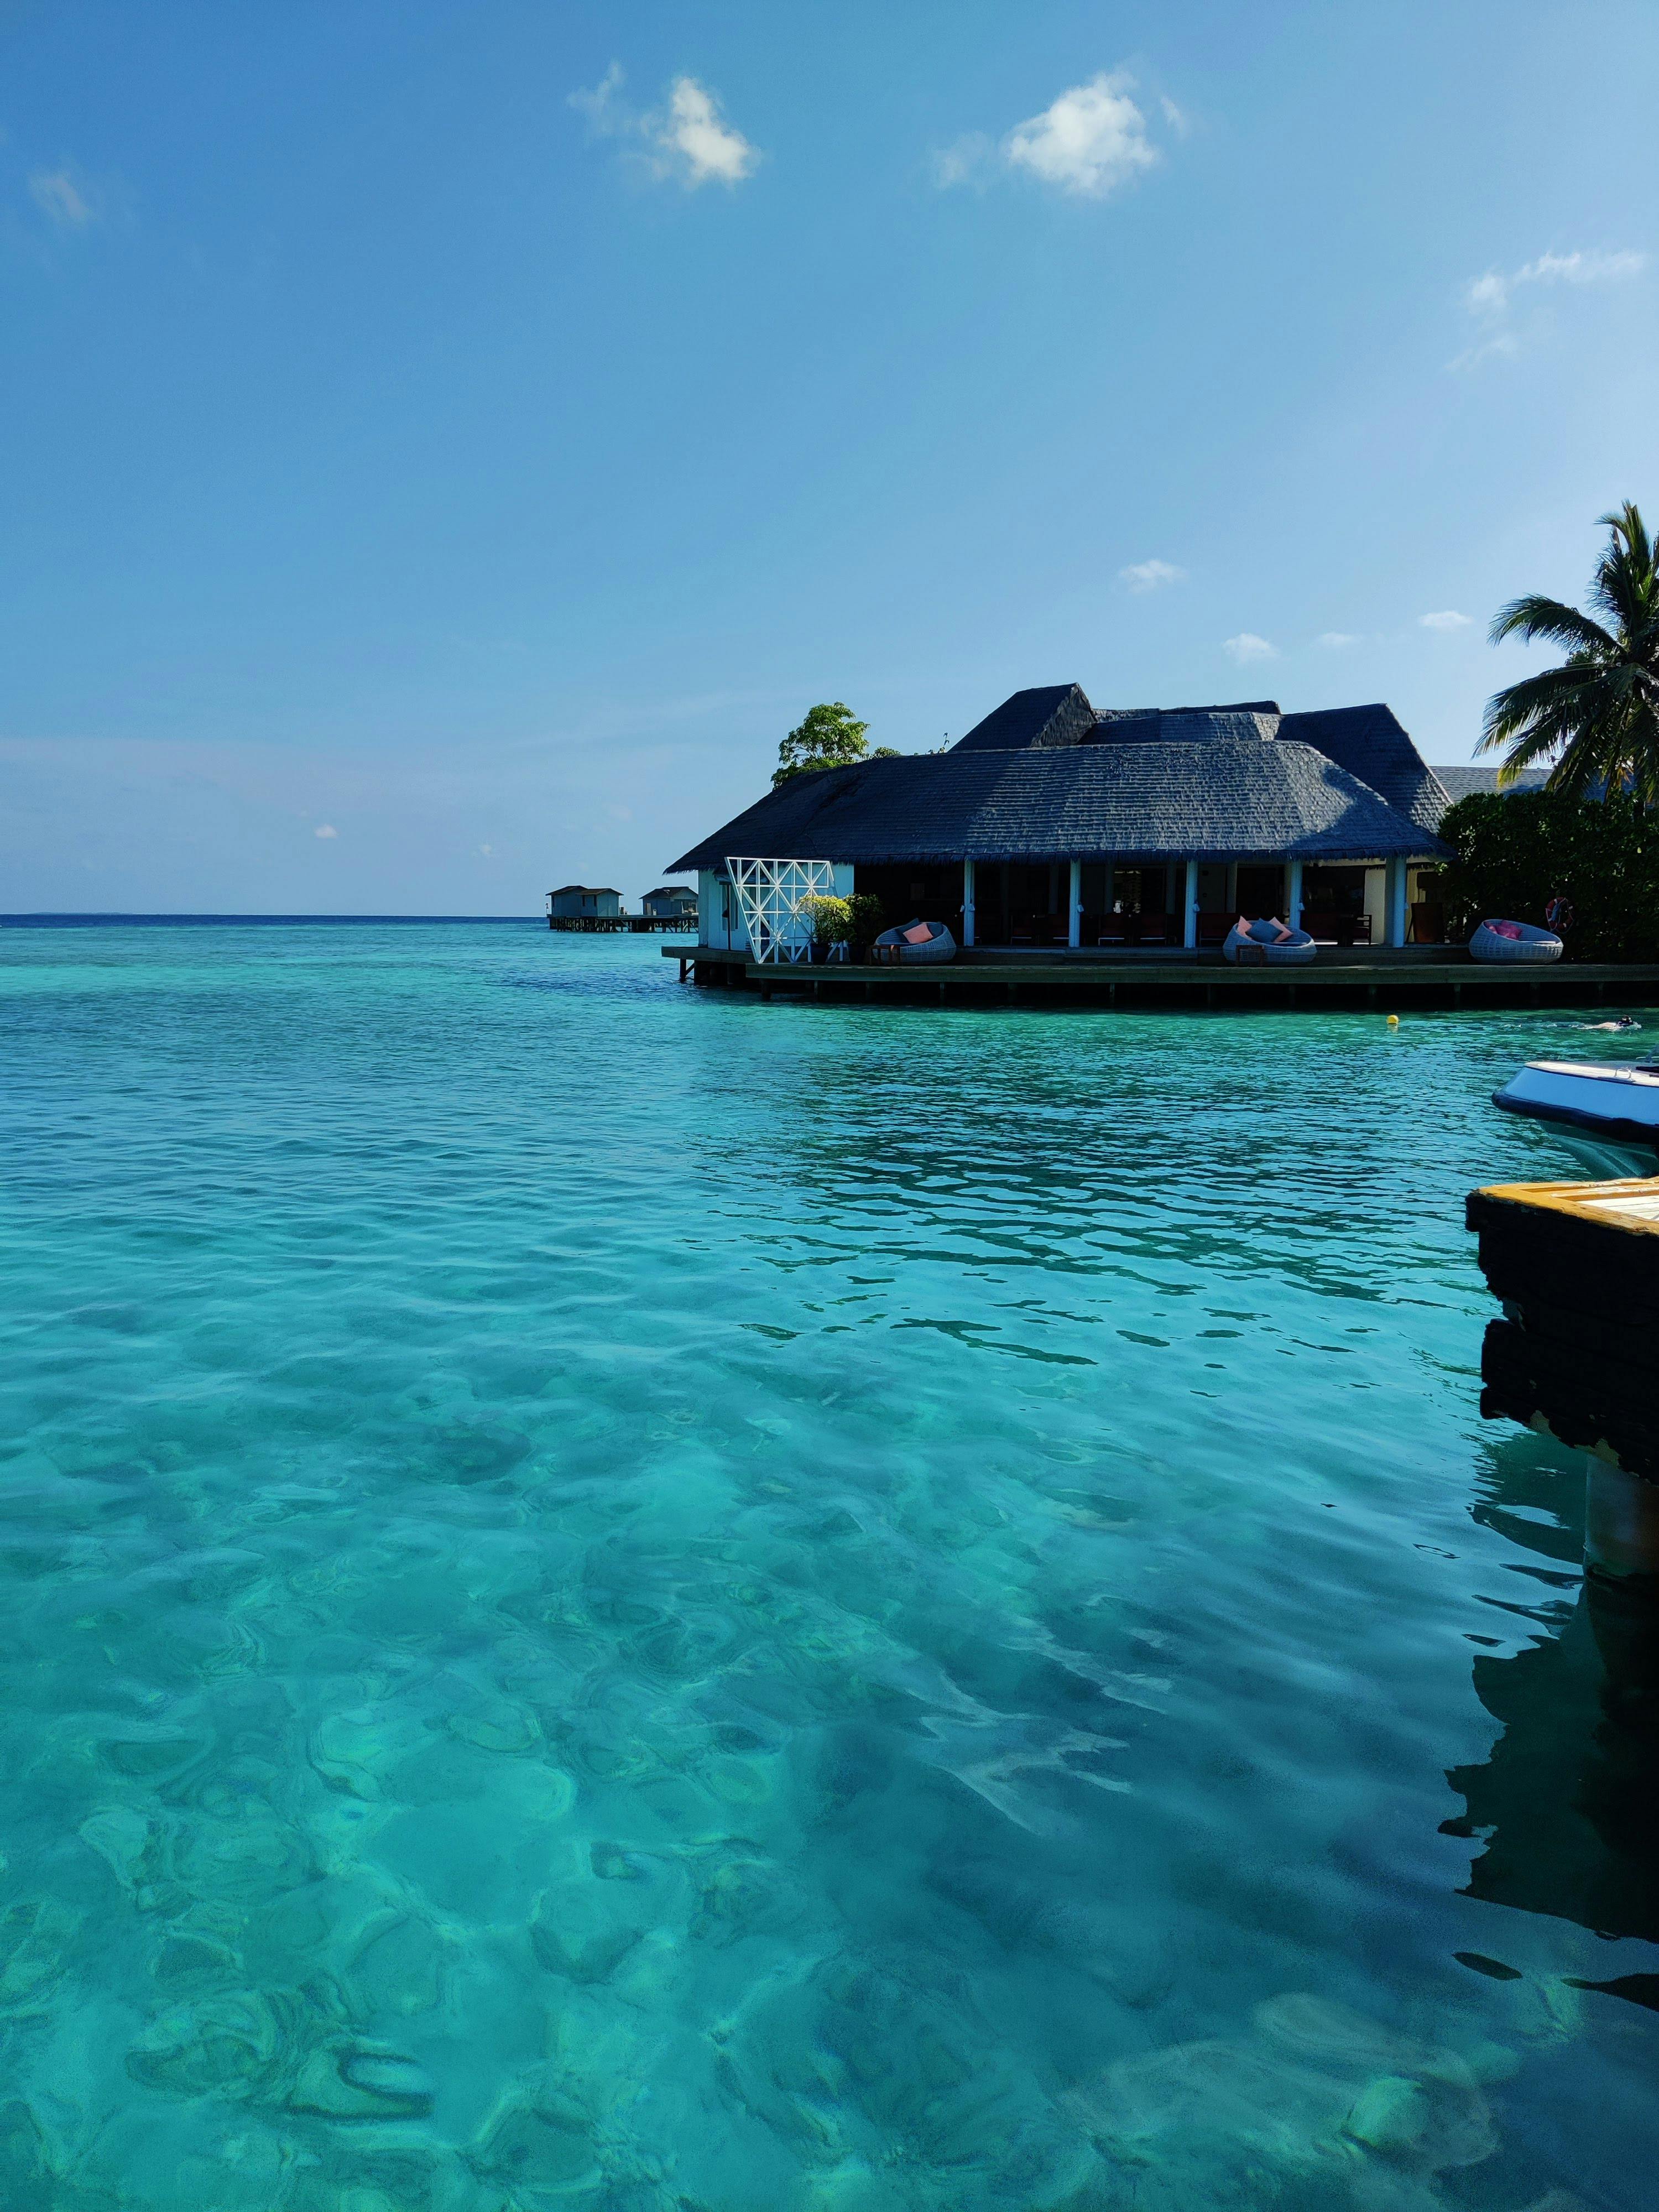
[1514,940]
[906,945]
[1272,941]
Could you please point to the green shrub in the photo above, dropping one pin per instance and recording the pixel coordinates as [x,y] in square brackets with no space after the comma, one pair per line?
[1511,856]
[869,918]
[831,920]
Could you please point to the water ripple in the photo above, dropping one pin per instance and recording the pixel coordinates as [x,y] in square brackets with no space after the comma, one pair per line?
[618,1598]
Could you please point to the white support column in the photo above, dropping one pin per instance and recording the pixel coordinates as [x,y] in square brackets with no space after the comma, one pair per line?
[1074,909]
[1294,916]
[1189,920]
[967,902]
[1397,902]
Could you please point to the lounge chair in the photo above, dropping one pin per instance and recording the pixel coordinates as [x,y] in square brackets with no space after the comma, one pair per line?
[1268,940]
[916,941]
[1514,941]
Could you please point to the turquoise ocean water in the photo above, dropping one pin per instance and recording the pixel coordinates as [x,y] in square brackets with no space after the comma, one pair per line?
[617,1598]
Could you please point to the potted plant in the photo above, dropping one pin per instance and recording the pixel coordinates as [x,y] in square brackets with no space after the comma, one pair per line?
[832,926]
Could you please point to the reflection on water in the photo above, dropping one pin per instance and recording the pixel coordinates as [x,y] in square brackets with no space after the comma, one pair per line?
[1567,1802]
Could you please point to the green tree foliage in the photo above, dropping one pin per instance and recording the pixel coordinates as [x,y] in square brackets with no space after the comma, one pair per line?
[832,736]
[831,920]
[1512,855]
[1596,717]
[869,918]
[855,922]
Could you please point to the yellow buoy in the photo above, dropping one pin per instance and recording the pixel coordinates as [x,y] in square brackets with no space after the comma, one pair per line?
[1393,1021]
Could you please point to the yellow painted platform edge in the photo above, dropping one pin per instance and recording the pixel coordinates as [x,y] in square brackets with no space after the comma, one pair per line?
[1581,1201]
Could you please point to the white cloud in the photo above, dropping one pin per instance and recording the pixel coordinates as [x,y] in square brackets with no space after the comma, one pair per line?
[1092,139]
[1089,141]
[1148,575]
[1492,298]
[1505,343]
[64,198]
[695,136]
[1247,645]
[324,830]
[1448,618]
[601,106]
[965,162]
[488,851]
[688,142]
[1336,639]
[1491,294]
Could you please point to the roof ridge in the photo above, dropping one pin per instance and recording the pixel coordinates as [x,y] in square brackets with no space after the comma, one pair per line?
[1219,707]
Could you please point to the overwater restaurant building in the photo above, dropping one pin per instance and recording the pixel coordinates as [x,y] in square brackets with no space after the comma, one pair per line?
[1053,822]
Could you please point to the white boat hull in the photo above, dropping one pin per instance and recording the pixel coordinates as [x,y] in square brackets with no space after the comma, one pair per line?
[1618,1104]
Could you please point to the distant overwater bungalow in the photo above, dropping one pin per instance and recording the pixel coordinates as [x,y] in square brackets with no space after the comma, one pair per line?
[1055,825]
[585,903]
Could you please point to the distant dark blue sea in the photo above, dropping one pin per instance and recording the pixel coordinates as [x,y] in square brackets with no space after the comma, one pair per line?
[614,1597]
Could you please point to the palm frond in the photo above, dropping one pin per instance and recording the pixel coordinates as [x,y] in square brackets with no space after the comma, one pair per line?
[1532,615]
[1623,596]
[1625,522]
[1563,699]
[1595,718]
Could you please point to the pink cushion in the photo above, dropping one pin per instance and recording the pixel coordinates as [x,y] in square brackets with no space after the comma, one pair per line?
[1511,929]
[918,934]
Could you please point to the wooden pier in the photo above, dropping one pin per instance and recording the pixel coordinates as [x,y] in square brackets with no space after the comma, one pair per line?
[1576,1355]
[616,925]
[1383,981]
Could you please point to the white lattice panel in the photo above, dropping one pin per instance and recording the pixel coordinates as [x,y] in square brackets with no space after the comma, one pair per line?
[771,897]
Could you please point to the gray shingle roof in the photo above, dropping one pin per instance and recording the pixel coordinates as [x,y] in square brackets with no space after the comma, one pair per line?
[1051,714]
[1227,796]
[1143,725]
[1464,782]
[1369,742]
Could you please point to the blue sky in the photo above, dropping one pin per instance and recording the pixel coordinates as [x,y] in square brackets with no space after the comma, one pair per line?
[448,445]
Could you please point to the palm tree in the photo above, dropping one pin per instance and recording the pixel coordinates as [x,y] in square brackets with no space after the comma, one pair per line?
[1596,717]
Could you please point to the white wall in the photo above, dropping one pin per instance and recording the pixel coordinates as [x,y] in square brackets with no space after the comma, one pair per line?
[720,918]
[714,902]
[1376,903]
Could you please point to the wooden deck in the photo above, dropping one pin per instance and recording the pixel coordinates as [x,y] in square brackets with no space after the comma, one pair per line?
[1576,1354]
[1424,978]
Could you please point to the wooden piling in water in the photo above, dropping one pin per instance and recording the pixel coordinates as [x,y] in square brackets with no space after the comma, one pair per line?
[1576,1354]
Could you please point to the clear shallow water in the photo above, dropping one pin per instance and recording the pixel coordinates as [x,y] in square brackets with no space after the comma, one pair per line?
[616,1598]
